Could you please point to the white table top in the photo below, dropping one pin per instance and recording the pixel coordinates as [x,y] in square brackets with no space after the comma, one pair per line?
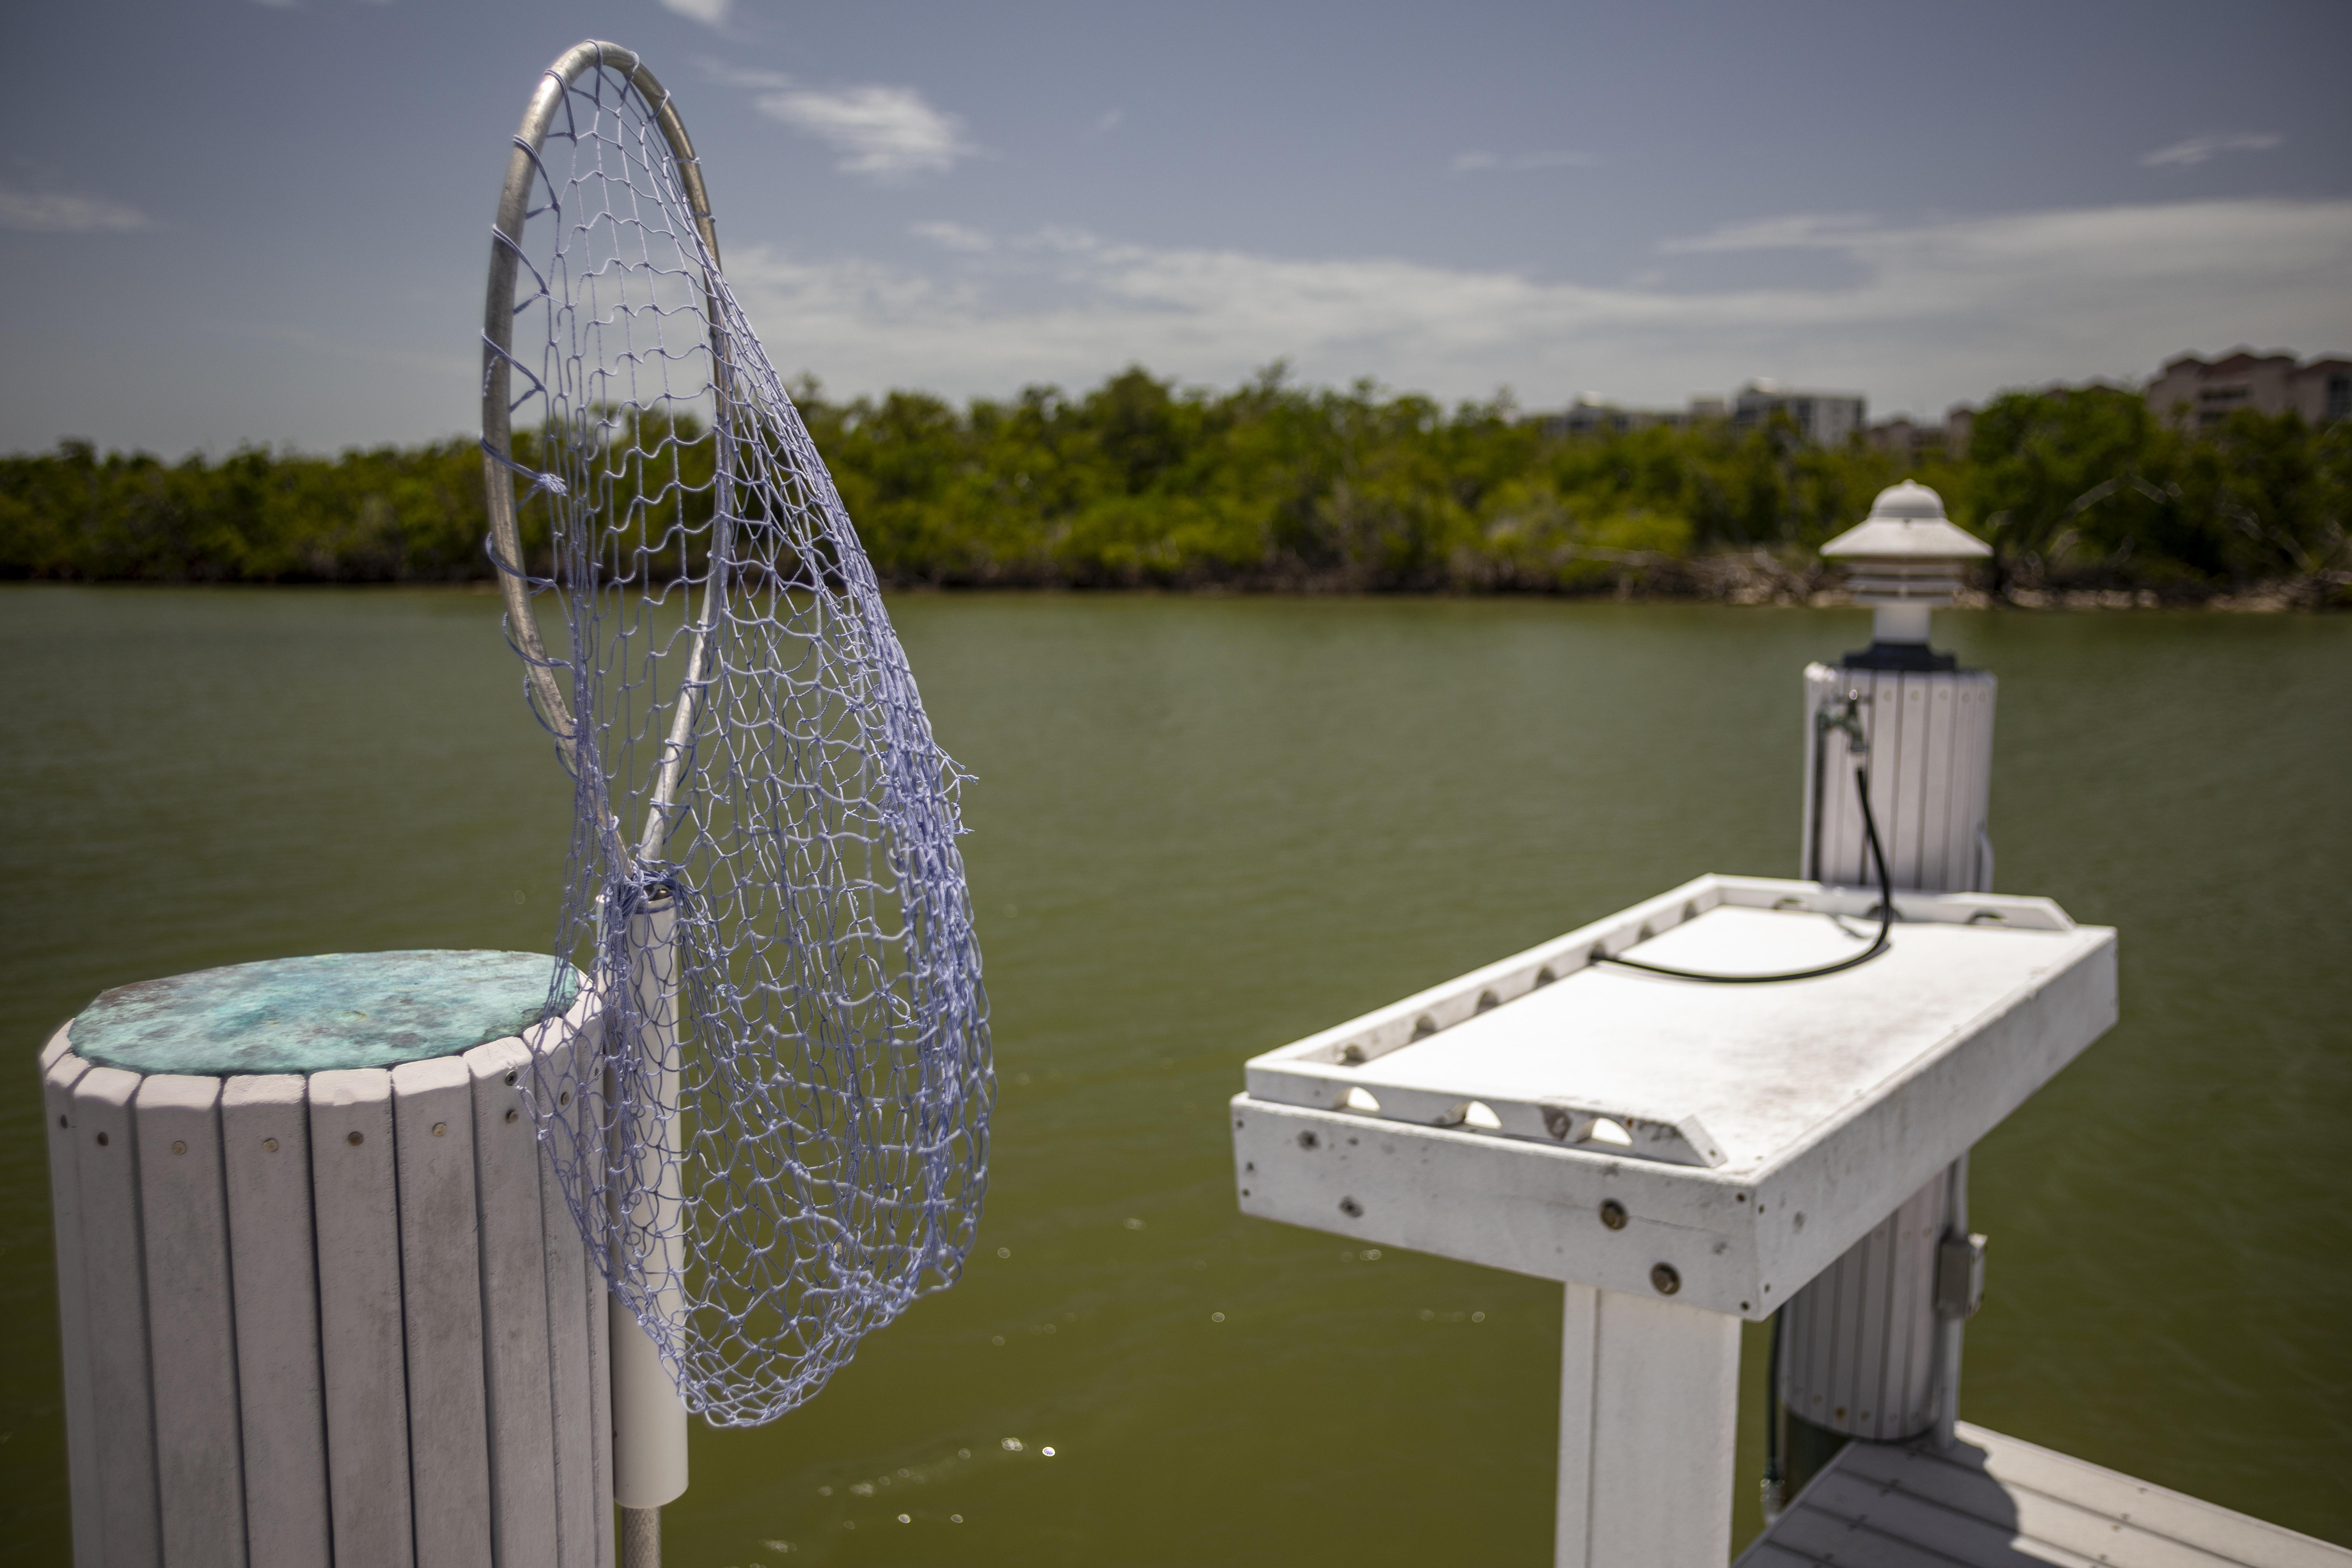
[1759,1066]
[1755,1130]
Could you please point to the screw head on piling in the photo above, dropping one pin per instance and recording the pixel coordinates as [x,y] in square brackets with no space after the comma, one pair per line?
[1664,1277]
[1612,1214]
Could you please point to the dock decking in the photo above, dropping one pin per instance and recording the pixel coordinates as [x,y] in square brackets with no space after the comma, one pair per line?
[1998,1502]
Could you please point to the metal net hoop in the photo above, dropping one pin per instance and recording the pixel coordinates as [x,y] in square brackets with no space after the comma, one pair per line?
[772,1124]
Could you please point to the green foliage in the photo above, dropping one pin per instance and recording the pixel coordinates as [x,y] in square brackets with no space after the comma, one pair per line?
[379,516]
[1142,482]
[2086,487]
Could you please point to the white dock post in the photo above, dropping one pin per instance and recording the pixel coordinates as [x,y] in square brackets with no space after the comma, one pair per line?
[1648,1406]
[308,1314]
[648,1418]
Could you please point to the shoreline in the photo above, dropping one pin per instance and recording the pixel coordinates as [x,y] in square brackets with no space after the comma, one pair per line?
[1736,579]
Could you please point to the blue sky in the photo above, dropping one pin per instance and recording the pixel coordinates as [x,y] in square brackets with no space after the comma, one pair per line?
[226,222]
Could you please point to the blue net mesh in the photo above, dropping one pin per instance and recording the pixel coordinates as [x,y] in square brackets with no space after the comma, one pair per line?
[773,1130]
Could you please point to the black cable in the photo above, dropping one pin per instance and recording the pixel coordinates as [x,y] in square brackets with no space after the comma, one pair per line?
[1886,920]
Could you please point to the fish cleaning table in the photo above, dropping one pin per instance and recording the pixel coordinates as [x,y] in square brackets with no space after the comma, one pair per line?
[1682,1155]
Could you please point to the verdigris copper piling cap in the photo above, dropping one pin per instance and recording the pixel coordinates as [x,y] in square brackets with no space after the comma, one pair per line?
[1907,523]
[314,1014]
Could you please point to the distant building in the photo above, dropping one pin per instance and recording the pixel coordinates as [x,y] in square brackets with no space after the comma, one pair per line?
[1960,430]
[1905,437]
[2192,394]
[1827,418]
[1592,414]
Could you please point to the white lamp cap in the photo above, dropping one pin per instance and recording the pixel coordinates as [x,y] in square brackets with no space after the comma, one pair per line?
[1907,523]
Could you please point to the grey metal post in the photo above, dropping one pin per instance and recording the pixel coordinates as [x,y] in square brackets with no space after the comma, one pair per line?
[1954,1300]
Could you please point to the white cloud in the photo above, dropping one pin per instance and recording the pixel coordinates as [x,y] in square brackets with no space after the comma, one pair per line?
[55,212]
[2202,148]
[1941,310]
[953,237]
[743,76]
[710,12]
[1519,162]
[1794,231]
[886,132]
[1105,125]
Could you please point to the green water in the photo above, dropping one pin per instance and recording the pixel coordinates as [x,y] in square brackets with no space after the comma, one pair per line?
[1203,827]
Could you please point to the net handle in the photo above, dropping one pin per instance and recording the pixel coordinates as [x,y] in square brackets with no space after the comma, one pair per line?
[498,364]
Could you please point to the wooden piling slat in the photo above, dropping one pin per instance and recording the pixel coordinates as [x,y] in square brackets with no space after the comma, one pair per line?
[60,1070]
[192,1333]
[441,1298]
[1843,858]
[1926,1215]
[518,1378]
[600,1404]
[1849,1279]
[1866,1346]
[1959,821]
[1884,697]
[572,1348]
[1979,791]
[1938,867]
[360,1334]
[1910,827]
[115,1298]
[273,1266]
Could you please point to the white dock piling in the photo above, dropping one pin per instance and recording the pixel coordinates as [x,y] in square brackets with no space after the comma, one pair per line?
[340,1315]
[1645,1471]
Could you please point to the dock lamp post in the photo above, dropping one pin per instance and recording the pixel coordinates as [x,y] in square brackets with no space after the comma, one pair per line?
[1907,558]
[1871,1348]
[1692,1110]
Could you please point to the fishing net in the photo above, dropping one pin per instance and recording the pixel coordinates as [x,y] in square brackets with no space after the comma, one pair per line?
[774,1130]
